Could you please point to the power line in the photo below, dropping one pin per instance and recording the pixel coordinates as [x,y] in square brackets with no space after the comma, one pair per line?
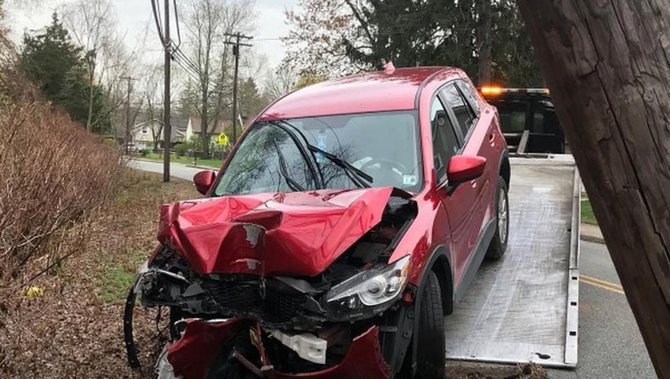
[176,18]
[195,66]
[186,69]
[157,19]
[179,53]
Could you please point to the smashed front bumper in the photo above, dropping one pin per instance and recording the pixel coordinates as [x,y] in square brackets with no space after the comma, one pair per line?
[193,354]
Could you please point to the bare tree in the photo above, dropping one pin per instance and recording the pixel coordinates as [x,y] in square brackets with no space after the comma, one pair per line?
[607,65]
[280,82]
[153,98]
[207,21]
[318,28]
[152,95]
[93,24]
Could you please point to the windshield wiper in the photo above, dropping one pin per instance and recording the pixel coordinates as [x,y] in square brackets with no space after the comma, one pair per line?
[352,172]
[360,178]
[292,184]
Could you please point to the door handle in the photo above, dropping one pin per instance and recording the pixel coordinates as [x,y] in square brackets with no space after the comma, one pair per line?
[492,136]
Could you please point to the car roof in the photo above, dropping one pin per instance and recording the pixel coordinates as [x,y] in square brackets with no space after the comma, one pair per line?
[369,92]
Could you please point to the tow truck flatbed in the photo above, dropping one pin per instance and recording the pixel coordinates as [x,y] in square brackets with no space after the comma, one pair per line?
[524,307]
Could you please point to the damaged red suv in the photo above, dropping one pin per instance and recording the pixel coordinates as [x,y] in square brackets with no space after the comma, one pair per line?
[345,224]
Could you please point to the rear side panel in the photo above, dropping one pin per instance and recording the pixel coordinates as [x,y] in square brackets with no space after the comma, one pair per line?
[523,308]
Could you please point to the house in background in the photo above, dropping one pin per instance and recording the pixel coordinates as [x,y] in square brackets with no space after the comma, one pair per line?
[142,136]
[194,128]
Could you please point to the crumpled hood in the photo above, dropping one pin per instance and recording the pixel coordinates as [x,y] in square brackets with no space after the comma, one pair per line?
[297,234]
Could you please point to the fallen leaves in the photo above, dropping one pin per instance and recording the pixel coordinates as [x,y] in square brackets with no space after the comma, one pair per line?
[68,322]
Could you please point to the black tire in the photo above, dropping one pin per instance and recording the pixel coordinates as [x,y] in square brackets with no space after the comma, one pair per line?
[498,244]
[430,339]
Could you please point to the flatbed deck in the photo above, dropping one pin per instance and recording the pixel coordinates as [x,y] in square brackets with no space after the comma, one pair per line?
[524,307]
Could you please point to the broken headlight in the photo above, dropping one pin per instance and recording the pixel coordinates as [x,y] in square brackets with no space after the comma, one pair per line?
[370,290]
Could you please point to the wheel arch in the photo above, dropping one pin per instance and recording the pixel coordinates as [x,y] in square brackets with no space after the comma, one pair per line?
[440,264]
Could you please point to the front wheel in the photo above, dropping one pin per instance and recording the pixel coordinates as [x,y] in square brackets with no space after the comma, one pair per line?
[499,242]
[430,339]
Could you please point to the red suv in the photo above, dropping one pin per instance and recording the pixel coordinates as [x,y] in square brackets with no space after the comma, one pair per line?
[348,220]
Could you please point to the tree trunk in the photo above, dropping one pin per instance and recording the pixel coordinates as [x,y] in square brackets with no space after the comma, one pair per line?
[204,124]
[89,118]
[607,64]
[484,42]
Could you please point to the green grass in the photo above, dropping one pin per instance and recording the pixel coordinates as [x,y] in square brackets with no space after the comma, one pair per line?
[587,213]
[117,280]
[114,278]
[213,163]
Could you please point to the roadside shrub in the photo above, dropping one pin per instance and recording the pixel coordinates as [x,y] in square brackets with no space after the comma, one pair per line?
[181,149]
[111,142]
[53,174]
[144,152]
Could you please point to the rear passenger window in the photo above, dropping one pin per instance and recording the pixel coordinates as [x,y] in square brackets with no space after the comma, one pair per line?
[461,109]
[445,144]
[470,94]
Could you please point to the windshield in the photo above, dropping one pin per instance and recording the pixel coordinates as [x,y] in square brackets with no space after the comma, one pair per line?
[345,151]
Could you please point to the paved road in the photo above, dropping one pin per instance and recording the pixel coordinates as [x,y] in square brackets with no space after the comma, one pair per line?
[610,344]
[177,170]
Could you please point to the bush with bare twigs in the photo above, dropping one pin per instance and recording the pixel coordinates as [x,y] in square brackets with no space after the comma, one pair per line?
[52,174]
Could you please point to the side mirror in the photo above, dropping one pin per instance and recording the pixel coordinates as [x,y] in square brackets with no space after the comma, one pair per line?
[463,168]
[203,180]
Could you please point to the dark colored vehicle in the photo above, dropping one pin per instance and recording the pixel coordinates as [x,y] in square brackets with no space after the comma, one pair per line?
[345,224]
[528,119]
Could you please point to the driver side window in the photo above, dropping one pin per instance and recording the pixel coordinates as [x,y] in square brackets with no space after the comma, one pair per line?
[445,143]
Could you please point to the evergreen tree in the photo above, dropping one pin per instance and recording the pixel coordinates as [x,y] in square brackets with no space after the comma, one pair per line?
[55,64]
[250,99]
[412,33]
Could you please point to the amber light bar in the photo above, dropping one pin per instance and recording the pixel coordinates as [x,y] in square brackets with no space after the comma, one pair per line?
[495,90]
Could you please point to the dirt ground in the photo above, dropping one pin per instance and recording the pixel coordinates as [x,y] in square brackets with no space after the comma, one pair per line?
[466,370]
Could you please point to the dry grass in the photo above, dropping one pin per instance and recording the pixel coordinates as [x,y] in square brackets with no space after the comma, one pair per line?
[75,328]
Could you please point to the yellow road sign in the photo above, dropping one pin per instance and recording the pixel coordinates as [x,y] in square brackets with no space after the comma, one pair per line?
[222,140]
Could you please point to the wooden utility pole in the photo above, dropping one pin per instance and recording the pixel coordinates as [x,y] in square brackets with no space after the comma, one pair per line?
[607,64]
[167,127]
[129,89]
[236,53]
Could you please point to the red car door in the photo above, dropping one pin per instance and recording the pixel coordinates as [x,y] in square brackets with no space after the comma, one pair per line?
[455,202]
[467,204]
[489,143]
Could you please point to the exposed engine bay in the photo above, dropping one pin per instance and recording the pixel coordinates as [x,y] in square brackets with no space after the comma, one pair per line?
[291,323]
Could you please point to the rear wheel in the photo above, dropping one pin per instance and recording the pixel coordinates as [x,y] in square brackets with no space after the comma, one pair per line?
[499,242]
[430,362]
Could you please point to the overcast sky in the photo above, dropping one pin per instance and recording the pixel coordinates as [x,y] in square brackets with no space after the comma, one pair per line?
[134,17]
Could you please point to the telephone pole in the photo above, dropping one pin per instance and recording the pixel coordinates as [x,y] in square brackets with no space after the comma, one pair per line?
[607,67]
[236,52]
[127,138]
[167,127]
